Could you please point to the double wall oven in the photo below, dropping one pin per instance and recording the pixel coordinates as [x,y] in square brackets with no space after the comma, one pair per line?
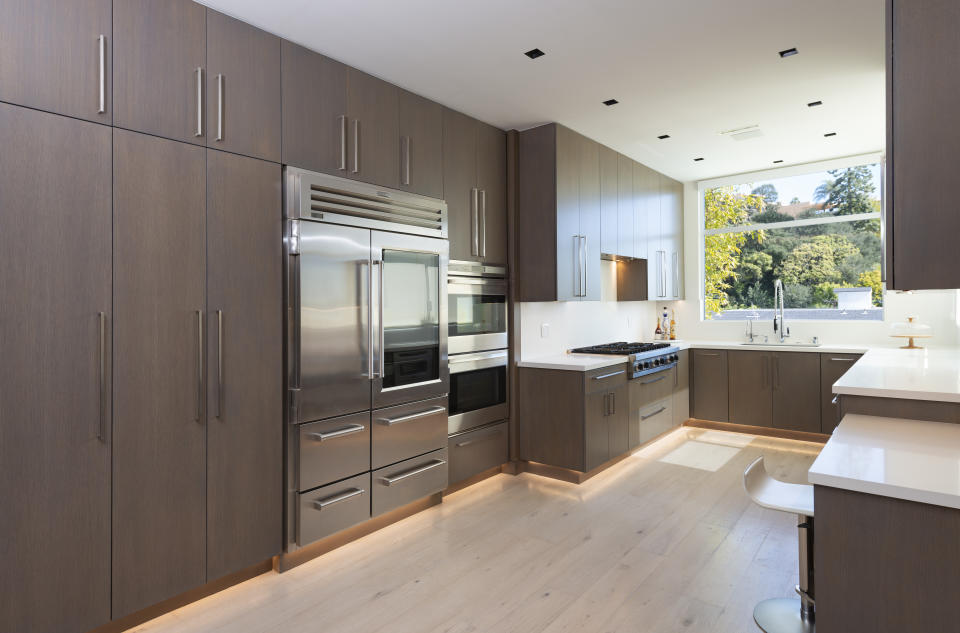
[477,328]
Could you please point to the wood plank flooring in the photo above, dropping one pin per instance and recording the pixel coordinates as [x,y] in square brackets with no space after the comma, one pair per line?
[644,546]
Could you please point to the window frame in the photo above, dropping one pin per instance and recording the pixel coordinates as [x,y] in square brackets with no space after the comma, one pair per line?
[703,186]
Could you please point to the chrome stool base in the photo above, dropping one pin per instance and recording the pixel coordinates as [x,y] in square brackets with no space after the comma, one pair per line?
[782,615]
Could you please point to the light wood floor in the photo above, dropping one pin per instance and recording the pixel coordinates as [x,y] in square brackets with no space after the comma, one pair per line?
[645,546]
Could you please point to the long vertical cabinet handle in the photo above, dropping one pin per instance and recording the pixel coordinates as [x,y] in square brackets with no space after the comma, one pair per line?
[199,72]
[586,265]
[578,283]
[475,222]
[482,229]
[102,375]
[102,78]
[219,364]
[219,108]
[356,146]
[676,275]
[663,273]
[199,365]
[406,159]
[343,142]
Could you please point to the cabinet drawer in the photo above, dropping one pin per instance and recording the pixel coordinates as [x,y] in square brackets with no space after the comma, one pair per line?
[606,378]
[413,479]
[332,508]
[408,430]
[652,387]
[477,451]
[334,449]
[655,419]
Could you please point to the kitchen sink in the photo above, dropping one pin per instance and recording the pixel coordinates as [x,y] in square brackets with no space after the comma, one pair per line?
[777,344]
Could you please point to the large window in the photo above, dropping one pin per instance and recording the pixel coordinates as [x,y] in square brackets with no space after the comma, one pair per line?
[819,233]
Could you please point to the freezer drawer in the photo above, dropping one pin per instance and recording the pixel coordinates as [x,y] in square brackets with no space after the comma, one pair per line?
[413,479]
[408,430]
[476,451]
[655,419]
[327,510]
[334,449]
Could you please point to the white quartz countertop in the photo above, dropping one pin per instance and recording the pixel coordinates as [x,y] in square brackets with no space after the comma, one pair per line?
[924,374]
[904,459]
[572,362]
[789,346]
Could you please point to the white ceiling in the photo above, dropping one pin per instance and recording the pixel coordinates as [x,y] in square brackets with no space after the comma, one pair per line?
[688,68]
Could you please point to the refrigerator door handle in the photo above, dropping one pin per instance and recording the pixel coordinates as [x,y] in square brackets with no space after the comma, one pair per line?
[373,354]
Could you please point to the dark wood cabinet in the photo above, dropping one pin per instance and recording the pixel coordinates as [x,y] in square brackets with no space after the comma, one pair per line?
[243,88]
[421,145]
[373,148]
[558,222]
[159,474]
[606,423]
[159,54]
[681,389]
[750,387]
[244,371]
[709,385]
[57,55]
[832,368]
[55,271]
[609,192]
[492,183]
[314,106]
[460,184]
[923,139]
[796,391]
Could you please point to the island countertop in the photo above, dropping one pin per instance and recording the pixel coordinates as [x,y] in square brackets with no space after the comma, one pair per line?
[923,374]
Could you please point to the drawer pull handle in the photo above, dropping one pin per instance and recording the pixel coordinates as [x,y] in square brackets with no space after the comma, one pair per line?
[708,354]
[412,416]
[834,401]
[843,360]
[611,375]
[482,438]
[343,496]
[650,382]
[347,430]
[650,415]
[389,481]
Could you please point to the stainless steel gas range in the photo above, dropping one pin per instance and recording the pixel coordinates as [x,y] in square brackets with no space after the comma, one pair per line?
[644,358]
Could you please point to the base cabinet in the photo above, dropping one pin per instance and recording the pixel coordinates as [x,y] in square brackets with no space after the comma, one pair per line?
[475,451]
[709,388]
[832,368]
[796,391]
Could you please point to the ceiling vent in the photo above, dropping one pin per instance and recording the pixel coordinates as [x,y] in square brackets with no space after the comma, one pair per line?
[743,133]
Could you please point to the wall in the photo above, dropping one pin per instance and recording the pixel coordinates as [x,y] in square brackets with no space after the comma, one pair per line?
[580,323]
[937,308]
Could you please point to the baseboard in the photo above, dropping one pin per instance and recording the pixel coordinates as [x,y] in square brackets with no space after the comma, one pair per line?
[289,560]
[475,479]
[565,474]
[818,438]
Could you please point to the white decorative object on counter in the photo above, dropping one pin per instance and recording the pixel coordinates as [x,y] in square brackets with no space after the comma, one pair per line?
[910,330]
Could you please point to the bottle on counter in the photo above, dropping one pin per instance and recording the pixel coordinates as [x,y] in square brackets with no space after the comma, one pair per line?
[666,327]
[673,325]
[658,333]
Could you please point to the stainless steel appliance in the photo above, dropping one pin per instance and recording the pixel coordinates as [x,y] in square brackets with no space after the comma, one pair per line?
[478,389]
[477,307]
[644,358]
[366,347]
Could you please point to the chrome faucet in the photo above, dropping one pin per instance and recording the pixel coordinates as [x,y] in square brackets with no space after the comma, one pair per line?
[778,327]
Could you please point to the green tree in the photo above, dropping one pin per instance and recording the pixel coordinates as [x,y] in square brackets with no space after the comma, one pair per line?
[848,191]
[817,261]
[771,198]
[724,207]
[872,279]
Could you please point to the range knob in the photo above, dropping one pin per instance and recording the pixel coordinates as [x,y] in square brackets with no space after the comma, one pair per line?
[657,361]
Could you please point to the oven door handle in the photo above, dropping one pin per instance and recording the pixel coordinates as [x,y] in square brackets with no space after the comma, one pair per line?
[460,363]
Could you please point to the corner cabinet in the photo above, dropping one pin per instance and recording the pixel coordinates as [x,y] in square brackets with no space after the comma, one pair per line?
[923,140]
[560,214]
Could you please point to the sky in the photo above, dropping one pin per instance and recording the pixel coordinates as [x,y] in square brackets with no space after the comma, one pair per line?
[802,187]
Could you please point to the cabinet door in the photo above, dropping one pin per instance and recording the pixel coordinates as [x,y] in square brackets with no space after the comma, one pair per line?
[710,390]
[832,367]
[681,389]
[569,241]
[56,55]
[492,182]
[54,403]
[750,395]
[373,112]
[796,391]
[314,110]
[596,429]
[159,477]
[244,386]
[421,145]
[671,228]
[159,59]
[923,101]
[618,422]
[625,227]
[243,88]
[589,159]
[460,184]
[609,171]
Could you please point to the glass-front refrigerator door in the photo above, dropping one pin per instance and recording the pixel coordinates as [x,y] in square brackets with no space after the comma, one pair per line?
[409,295]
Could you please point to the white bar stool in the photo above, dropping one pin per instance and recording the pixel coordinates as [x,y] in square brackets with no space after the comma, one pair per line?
[786,615]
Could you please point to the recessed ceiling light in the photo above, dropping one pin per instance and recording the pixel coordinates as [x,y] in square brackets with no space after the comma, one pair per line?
[777,162]
[829,134]
[534,53]
[789,52]
[610,102]
[663,137]
[697,160]
[814,104]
